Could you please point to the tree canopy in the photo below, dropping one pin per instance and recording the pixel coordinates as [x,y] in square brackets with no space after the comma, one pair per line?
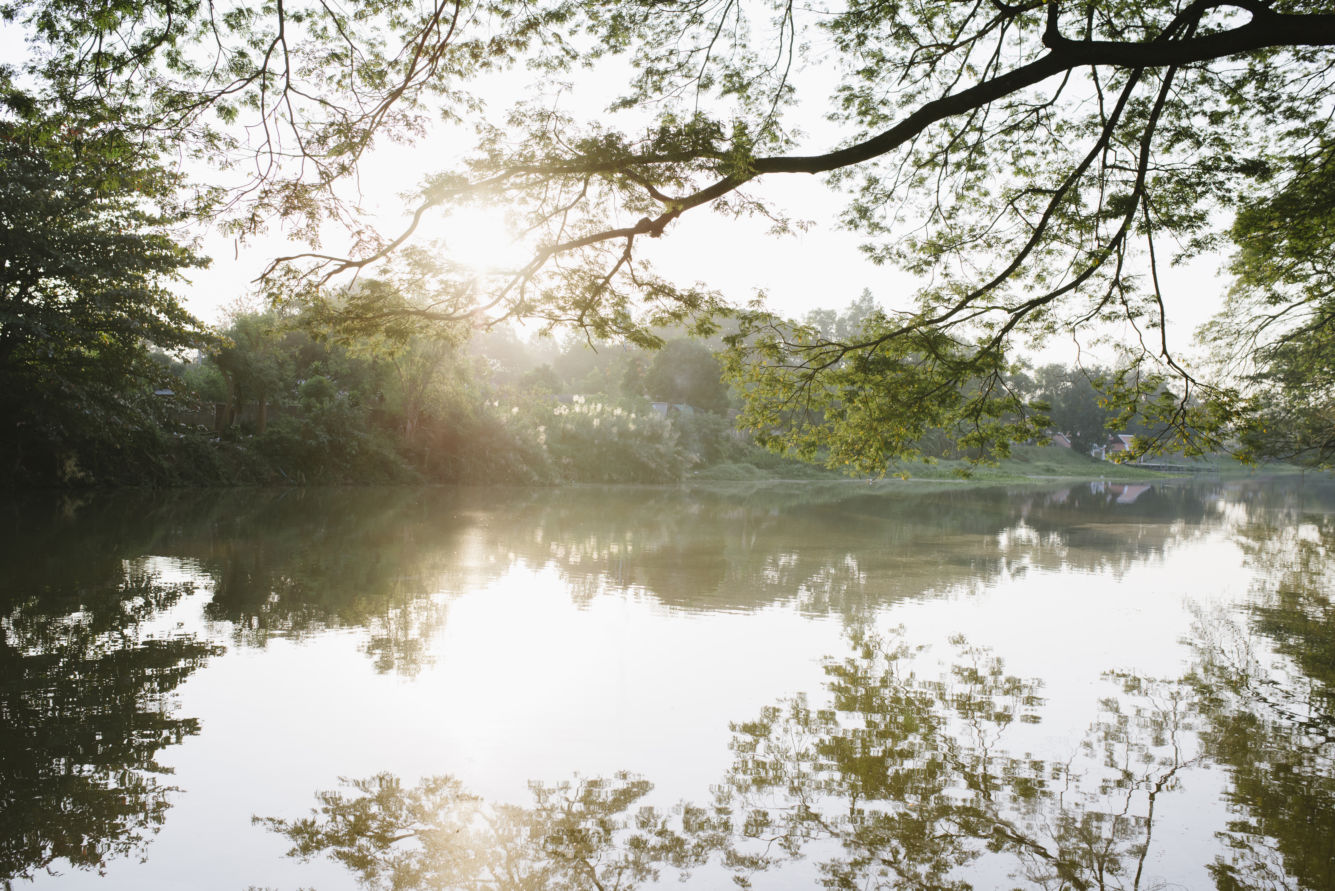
[1035,163]
[87,254]
[1277,324]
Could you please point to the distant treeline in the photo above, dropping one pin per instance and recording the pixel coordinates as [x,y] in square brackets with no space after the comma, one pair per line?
[277,398]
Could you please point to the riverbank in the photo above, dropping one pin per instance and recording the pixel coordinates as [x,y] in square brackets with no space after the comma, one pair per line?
[1026,463]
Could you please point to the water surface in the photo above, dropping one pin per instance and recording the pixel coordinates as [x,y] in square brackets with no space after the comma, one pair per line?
[1095,686]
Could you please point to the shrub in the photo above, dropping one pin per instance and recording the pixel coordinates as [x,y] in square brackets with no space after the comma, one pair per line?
[605,442]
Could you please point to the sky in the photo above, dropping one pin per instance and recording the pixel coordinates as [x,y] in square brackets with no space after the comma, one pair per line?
[819,268]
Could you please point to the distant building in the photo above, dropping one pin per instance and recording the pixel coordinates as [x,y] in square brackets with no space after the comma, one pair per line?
[1117,443]
[1122,493]
[1061,439]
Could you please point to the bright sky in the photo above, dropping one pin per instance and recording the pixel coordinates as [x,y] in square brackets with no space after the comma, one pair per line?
[821,268]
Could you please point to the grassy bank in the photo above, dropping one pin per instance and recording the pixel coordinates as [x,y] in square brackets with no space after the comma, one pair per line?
[1026,463]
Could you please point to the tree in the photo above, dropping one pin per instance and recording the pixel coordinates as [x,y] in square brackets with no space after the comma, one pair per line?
[1073,398]
[1279,323]
[840,326]
[86,258]
[1294,393]
[686,371]
[1038,162]
[253,364]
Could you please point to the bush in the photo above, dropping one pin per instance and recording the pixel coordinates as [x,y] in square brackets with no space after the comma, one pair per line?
[710,439]
[481,444]
[331,442]
[603,442]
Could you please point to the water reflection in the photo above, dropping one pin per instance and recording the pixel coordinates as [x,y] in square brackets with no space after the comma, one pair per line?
[905,780]
[1268,678]
[291,564]
[894,775]
[901,780]
[915,778]
[847,552]
[85,708]
[588,834]
[296,566]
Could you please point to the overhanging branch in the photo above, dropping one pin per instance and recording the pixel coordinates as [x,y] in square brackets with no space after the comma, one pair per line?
[1177,45]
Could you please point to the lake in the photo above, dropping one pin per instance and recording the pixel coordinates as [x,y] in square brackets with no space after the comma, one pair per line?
[920,685]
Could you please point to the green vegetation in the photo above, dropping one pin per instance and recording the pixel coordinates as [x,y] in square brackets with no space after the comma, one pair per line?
[1029,462]
[1030,162]
[1279,316]
[304,398]
[291,399]
[87,255]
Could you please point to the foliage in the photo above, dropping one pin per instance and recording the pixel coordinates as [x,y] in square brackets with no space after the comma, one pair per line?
[843,327]
[1075,404]
[252,362]
[709,439]
[1280,317]
[1032,161]
[685,371]
[329,443]
[317,399]
[1296,402]
[865,406]
[86,257]
[600,442]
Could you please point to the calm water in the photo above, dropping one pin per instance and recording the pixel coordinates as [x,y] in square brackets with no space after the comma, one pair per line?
[1085,687]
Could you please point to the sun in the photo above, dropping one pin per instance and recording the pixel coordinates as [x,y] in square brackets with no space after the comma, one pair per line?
[482,239]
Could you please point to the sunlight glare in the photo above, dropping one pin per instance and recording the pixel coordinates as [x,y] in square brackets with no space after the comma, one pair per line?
[481,239]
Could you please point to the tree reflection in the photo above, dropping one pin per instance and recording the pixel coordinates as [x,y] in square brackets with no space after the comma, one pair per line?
[284,564]
[835,547]
[85,708]
[902,781]
[894,775]
[913,778]
[301,563]
[298,563]
[1269,685]
[587,834]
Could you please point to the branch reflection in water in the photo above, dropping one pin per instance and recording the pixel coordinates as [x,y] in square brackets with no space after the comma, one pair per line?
[904,780]
[896,774]
[86,706]
[1266,680]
